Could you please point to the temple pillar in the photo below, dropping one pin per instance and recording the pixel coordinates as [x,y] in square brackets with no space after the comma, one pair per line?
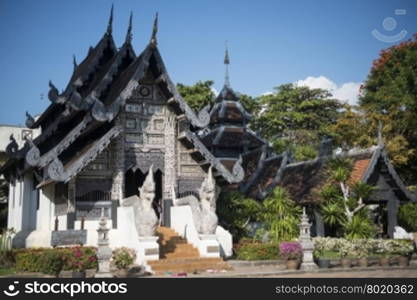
[46,212]
[117,192]
[71,204]
[28,204]
[170,164]
[11,219]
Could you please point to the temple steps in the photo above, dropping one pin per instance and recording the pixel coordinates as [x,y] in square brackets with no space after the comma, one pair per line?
[177,256]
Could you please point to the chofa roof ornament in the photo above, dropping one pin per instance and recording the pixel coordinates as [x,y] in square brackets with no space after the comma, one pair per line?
[29,120]
[110,24]
[12,147]
[154,41]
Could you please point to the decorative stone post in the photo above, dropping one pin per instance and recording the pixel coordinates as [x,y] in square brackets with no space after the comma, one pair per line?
[306,243]
[170,163]
[104,252]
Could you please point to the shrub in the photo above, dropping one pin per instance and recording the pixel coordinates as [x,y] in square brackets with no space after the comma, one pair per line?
[236,211]
[281,216]
[257,251]
[7,260]
[79,258]
[400,247]
[290,250]
[360,227]
[361,247]
[407,216]
[123,257]
[52,261]
[29,261]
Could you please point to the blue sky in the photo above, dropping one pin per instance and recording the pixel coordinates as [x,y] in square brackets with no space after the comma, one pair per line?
[317,43]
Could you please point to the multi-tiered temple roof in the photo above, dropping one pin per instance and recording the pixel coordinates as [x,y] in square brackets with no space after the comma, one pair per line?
[228,135]
[80,122]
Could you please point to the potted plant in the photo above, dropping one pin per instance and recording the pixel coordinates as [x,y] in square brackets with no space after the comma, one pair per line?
[383,249]
[321,247]
[122,258]
[346,251]
[362,250]
[402,249]
[292,253]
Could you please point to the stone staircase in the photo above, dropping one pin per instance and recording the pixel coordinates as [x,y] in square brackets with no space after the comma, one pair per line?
[177,256]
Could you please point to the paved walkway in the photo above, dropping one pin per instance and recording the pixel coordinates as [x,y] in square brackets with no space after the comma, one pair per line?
[400,273]
[257,272]
[271,272]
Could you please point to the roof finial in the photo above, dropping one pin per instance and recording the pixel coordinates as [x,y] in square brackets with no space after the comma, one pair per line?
[154,30]
[129,29]
[74,61]
[226,63]
[380,141]
[110,25]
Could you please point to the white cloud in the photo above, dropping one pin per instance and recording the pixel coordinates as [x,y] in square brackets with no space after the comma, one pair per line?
[267,93]
[348,91]
[216,92]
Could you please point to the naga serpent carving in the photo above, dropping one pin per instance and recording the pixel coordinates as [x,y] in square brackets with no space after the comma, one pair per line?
[146,220]
[204,211]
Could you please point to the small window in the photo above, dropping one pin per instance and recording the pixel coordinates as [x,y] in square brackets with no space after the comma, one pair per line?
[26,134]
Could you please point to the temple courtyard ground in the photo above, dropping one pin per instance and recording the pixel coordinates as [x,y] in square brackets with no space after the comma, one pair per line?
[257,272]
[264,269]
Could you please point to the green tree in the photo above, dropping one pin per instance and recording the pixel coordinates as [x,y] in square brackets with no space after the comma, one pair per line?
[251,104]
[391,91]
[343,206]
[198,95]
[296,116]
[358,128]
[201,93]
[352,129]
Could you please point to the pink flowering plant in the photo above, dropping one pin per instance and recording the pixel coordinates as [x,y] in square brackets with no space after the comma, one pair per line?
[80,258]
[290,250]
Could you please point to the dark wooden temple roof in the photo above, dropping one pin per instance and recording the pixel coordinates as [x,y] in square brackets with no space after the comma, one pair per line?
[227,109]
[80,121]
[263,170]
[228,136]
[233,136]
[304,180]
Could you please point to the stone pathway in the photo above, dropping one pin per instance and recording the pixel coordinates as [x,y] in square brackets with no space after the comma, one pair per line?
[273,272]
[399,273]
[269,272]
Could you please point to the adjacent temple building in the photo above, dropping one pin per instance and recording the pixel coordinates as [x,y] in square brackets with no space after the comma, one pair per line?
[121,117]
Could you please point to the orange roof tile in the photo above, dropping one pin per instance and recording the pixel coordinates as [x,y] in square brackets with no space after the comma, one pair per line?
[359,169]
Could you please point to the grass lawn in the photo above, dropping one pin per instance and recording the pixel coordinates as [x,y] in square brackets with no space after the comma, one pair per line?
[7,272]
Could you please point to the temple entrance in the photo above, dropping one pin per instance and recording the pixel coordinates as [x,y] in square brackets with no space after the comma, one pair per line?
[134,180]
